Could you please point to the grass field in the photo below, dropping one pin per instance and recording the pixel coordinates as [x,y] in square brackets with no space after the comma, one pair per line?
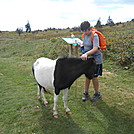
[22,113]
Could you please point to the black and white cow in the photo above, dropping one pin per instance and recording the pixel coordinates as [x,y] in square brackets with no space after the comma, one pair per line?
[60,74]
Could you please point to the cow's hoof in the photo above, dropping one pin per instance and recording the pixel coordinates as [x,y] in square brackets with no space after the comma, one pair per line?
[56,116]
[69,112]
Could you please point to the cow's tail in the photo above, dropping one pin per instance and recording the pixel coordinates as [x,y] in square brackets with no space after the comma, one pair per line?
[33,70]
[45,89]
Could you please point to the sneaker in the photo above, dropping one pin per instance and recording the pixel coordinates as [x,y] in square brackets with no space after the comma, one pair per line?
[95,97]
[85,97]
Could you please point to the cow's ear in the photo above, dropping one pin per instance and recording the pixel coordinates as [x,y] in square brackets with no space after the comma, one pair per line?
[91,58]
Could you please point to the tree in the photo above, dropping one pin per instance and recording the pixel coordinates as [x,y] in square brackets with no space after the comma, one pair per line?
[98,24]
[19,30]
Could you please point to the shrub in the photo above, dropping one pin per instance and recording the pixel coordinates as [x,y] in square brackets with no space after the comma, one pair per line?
[120,46]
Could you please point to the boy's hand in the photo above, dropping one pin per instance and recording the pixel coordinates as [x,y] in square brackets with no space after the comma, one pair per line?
[84,56]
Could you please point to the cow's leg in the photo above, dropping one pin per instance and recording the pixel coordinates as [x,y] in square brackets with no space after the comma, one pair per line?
[39,91]
[55,113]
[44,98]
[65,99]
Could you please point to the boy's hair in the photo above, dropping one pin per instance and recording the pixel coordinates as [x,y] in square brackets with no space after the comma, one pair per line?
[85,25]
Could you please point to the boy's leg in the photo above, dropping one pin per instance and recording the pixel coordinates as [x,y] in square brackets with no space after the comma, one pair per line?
[87,83]
[86,87]
[95,84]
[96,89]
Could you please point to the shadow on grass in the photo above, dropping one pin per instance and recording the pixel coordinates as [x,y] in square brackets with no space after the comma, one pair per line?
[118,121]
[64,124]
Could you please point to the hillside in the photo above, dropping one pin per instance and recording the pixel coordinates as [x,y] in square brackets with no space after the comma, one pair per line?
[120,43]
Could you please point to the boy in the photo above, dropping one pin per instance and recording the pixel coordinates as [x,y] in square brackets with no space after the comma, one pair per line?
[92,49]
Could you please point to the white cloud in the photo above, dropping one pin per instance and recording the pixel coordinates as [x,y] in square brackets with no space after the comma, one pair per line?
[113,2]
[60,13]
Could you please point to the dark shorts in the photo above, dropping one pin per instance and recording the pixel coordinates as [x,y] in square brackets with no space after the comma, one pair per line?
[98,70]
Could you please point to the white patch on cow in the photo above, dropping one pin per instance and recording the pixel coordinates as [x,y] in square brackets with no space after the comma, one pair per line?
[44,71]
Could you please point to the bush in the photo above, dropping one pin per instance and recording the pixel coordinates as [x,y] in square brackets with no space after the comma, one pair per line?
[120,46]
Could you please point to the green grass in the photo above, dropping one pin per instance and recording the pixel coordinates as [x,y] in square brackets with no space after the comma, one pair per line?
[22,113]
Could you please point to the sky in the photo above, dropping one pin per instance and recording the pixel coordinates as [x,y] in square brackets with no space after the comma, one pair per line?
[43,14]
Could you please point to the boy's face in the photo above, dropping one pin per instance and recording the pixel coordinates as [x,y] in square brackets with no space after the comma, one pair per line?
[86,32]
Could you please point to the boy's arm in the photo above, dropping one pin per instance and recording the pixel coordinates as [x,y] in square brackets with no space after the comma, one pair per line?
[92,51]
